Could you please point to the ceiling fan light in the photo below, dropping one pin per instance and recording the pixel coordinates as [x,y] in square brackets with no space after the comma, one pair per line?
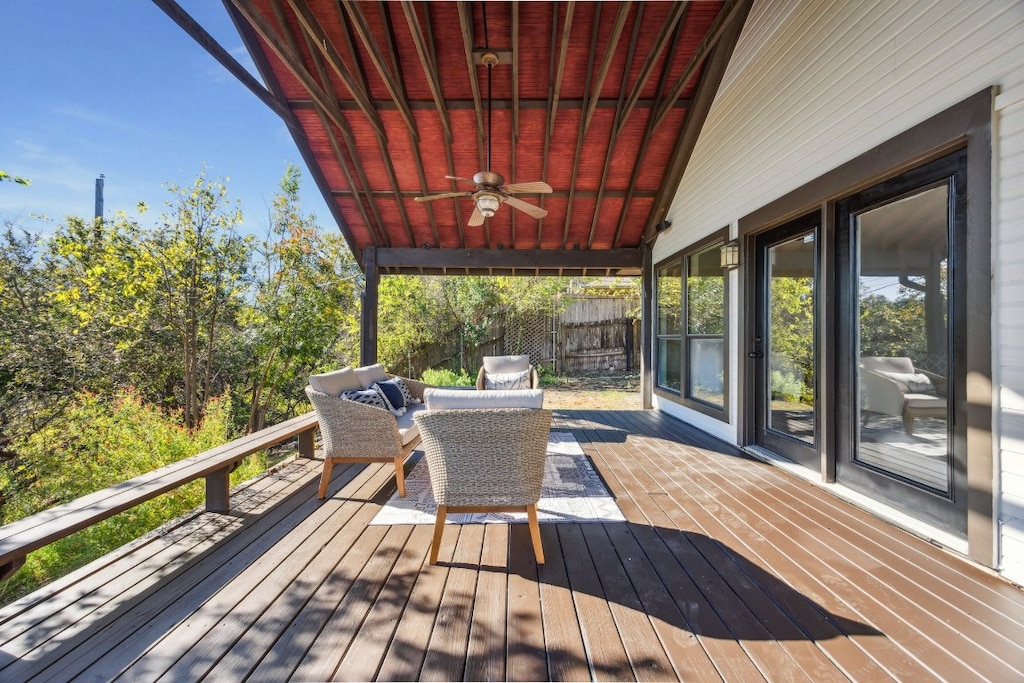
[487,204]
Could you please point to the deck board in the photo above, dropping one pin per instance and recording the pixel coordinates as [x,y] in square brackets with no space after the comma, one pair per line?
[725,568]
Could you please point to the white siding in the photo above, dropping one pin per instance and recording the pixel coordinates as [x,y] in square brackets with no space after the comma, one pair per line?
[814,84]
[1008,325]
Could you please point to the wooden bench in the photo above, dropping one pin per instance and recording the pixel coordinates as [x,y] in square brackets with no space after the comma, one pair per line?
[20,538]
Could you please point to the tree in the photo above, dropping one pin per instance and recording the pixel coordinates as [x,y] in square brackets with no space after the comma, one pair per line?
[4,176]
[202,265]
[304,304]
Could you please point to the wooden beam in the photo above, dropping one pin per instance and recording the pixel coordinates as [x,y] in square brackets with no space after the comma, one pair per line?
[515,74]
[466,24]
[552,103]
[722,21]
[609,55]
[587,92]
[393,86]
[646,138]
[613,135]
[428,60]
[675,16]
[562,53]
[647,318]
[217,51]
[589,194]
[498,104]
[544,259]
[710,79]
[311,26]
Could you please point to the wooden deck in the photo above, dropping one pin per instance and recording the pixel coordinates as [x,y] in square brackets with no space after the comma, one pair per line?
[727,568]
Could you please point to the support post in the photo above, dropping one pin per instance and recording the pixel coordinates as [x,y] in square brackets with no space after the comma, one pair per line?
[647,325]
[306,447]
[218,490]
[368,325]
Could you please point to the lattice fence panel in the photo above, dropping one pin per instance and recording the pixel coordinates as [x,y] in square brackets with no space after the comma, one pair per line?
[532,335]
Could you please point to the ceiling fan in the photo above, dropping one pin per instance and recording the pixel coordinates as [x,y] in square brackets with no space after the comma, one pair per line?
[491,191]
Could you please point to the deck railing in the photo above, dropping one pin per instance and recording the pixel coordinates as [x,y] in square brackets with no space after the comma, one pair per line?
[20,538]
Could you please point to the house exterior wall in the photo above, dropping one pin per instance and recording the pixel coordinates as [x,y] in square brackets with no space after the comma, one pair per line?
[812,85]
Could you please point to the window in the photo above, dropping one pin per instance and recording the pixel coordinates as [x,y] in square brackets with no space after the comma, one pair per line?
[691,356]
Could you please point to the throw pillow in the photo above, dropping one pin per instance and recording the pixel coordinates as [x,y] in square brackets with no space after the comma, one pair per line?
[406,393]
[392,396]
[371,374]
[333,383]
[367,397]
[507,380]
[912,382]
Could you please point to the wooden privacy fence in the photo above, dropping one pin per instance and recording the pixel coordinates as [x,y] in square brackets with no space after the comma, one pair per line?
[589,334]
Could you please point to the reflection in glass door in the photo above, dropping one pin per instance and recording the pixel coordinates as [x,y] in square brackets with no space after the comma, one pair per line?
[903,319]
[784,349]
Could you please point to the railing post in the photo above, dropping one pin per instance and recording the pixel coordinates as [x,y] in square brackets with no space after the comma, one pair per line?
[306,447]
[218,490]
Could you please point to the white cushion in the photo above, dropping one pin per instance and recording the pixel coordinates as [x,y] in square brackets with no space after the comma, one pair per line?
[370,374]
[911,382]
[501,364]
[454,399]
[407,427]
[507,380]
[333,383]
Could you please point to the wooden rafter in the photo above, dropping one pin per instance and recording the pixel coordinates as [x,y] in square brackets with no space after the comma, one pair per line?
[550,112]
[428,60]
[586,194]
[466,23]
[609,55]
[614,134]
[515,71]
[581,131]
[417,156]
[676,17]
[391,82]
[708,43]
[562,52]
[385,154]
[310,24]
[376,226]
[498,105]
[648,131]
[291,60]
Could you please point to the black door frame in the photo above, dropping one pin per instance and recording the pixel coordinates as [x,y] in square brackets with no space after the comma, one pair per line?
[964,125]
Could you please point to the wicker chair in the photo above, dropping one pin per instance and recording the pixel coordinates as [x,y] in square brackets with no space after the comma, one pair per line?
[506,364]
[486,460]
[356,433]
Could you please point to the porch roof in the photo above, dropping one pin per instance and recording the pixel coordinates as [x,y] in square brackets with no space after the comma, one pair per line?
[601,100]
[724,568]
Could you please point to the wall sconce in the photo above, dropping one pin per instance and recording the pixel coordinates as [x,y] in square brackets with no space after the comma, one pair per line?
[730,255]
[664,225]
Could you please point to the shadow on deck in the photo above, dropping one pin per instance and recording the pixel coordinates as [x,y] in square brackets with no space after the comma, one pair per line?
[725,568]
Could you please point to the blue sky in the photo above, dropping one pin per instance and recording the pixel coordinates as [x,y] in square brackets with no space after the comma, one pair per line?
[116,87]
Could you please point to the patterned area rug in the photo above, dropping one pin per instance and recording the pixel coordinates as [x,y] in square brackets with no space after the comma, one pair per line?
[572,493]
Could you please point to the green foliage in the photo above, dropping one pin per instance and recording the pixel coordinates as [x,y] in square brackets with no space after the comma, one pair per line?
[443,377]
[95,443]
[787,387]
[4,176]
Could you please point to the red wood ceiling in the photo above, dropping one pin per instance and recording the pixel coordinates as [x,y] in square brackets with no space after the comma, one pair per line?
[391,97]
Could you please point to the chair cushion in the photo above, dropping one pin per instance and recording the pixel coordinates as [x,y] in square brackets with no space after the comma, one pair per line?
[507,380]
[370,374]
[334,383]
[502,364]
[367,397]
[911,382]
[407,427]
[454,399]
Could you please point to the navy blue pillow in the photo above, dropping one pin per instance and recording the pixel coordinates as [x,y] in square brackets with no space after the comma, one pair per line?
[392,393]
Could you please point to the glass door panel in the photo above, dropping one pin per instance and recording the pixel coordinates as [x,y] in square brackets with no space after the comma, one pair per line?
[790,341]
[902,252]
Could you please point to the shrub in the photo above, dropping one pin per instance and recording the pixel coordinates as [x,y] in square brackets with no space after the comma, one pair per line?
[443,377]
[97,444]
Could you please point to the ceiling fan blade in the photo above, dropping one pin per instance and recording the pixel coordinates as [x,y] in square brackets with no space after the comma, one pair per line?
[443,195]
[463,180]
[537,187]
[476,219]
[528,209]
